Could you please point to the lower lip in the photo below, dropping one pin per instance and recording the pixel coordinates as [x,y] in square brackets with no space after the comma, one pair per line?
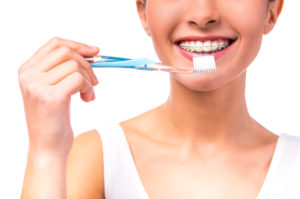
[190,55]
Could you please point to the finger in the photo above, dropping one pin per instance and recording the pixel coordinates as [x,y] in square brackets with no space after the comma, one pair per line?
[88,96]
[82,49]
[64,54]
[74,83]
[82,63]
[87,67]
[63,70]
[54,58]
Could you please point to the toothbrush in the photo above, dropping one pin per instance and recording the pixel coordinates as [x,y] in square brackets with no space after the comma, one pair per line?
[202,64]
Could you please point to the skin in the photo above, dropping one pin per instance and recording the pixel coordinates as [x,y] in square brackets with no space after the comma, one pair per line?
[202,135]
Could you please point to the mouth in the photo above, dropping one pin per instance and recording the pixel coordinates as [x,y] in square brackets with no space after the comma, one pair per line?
[196,46]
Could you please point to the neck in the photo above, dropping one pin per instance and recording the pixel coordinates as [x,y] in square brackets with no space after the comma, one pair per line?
[212,116]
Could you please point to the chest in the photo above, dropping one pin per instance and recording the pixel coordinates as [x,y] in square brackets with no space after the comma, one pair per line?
[166,175]
[179,183]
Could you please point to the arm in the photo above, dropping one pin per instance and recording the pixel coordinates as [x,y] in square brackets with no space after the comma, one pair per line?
[47,81]
[80,176]
[45,176]
[85,178]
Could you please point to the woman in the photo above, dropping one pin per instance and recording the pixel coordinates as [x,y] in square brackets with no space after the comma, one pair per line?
[201,143]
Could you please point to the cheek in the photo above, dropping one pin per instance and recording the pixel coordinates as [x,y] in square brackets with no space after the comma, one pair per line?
[249,24]
[247,18]
[163,18]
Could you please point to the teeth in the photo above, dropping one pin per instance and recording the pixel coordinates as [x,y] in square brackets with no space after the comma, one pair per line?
[199,45]
[214,46]
[221,45]
[207,46]
[204,47]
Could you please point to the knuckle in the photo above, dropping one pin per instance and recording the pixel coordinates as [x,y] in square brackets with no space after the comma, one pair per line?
[75,66]
[32,88]
[33,91]
[23,79]
[23,67]
[65,51]
[55,40]
[20,70]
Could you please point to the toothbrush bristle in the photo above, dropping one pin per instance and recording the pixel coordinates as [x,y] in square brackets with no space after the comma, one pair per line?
[204,64]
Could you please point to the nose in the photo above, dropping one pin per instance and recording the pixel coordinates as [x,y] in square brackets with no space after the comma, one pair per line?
[202,13]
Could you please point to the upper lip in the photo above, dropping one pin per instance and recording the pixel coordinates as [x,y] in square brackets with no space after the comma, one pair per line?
[205,38]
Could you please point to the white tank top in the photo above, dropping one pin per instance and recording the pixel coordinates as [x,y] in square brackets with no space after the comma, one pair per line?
[122,181]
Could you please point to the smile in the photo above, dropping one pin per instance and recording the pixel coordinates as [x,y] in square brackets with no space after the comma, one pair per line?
[194,46]
[205,47]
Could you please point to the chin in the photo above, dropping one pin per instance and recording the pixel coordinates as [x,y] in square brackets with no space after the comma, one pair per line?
[202,82]
[207,81]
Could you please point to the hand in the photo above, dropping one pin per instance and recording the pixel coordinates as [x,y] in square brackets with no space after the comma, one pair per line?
[47,81]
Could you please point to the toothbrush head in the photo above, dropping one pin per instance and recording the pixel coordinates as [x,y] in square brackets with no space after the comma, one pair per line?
[204,64]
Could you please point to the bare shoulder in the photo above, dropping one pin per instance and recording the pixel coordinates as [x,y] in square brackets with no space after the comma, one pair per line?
[85,167]
[146,120]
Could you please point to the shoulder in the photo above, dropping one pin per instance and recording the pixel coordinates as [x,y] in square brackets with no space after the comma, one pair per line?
[85,167]
[145,123]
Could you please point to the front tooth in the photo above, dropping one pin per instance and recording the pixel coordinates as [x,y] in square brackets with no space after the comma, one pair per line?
[192,46]
[214,45]
[199,45]
[207,46]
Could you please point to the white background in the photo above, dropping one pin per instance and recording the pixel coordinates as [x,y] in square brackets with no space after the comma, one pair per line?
[272,86]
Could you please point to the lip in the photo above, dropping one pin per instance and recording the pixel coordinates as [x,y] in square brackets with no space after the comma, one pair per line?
[190,55]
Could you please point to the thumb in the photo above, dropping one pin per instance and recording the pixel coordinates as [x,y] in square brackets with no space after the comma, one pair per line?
[88,51]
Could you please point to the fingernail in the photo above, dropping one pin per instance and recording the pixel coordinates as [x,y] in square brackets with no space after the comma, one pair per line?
[93,47]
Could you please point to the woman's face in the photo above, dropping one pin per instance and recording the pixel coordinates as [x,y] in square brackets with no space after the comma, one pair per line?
[230,30]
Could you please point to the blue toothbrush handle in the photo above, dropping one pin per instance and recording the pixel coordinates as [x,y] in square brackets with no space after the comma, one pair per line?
[130,63]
